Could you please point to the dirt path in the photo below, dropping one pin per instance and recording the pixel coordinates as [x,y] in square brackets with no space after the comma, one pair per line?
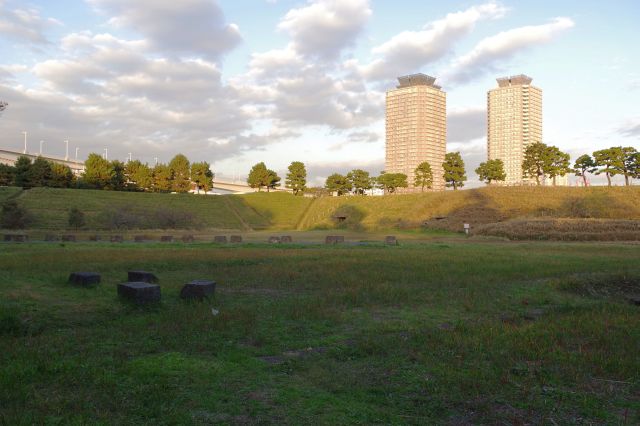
[303,216]
[245,226]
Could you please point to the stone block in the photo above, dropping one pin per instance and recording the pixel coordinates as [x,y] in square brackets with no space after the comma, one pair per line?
[286,239]
[16,238]
[236,239]
[166,238]
[50,237]
[142,276]
[188,239]
[274,240]
[95,238]
[391,240]
[198,289]
[334,239]
[140,238]
[85,279]
[139,292]
[220,239]
[116,239]
[8,237]
[68,238]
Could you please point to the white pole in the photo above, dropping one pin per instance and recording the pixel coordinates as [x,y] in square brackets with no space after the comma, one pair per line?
[25,142]
[106,153]
[77,152]
[129,156]
[41,142]
[66,150]
[156,161]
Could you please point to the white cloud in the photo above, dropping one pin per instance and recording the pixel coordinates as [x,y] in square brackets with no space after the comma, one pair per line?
[323,28]
[185,28]
[492,51]
[631,128]
[466,124]
[408,51]
[24,25]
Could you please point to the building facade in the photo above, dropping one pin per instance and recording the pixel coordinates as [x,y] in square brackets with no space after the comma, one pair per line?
[514,121]
[416,128]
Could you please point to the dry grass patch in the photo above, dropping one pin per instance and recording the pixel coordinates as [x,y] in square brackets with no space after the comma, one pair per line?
[564,229]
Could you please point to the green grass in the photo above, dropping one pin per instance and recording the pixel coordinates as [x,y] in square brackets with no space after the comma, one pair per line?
[7,192]
[273,210]
[424,333]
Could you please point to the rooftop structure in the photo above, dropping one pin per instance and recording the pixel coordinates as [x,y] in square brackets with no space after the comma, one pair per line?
[417,80]
[514,80]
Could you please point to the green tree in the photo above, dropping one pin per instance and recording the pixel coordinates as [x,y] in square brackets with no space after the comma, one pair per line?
[338,183]
[296,179]
[559,163]
[40,173]
[118,179]
[629,163]
[7,175]
[491,170]
[635,166]
[61,176]
[180,169]
[98,172]
[202,176]
[390,182]
[537,161]
[162,178]
[454,172]
[139,175]
[583,165]
[423,176]
[21,171]
[272,180]
[360,181]
[76,218]
[14,216]
[258,176]
[609,161]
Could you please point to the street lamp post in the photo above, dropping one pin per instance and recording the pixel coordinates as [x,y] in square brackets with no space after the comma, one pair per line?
[25,142]
[77,153]
[66,150]
[129,157]
[41,142]
[106,153]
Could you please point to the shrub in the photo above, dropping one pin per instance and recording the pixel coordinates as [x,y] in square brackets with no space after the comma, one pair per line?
[76,218]
[14,216]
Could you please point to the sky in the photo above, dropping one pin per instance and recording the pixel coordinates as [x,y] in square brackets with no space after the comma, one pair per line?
[235,82]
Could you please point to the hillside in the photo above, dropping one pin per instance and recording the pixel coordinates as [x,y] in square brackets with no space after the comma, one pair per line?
[278,211]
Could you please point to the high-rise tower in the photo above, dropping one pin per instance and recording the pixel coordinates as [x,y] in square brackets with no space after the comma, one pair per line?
[416,128]
[514,111]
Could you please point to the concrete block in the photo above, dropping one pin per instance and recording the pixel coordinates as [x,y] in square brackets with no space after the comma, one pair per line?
[85,279]
[142,276]
[198,289]
[139,292]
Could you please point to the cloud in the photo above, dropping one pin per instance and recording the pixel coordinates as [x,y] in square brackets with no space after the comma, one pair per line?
[185,28]
[24,25]
[323,28]
[466,124]
[493,51]
[409,51]
[631,128]
[365,136]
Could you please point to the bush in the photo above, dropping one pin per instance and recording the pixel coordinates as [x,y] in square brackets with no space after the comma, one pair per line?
[128,218]
[14,216]
[76,218]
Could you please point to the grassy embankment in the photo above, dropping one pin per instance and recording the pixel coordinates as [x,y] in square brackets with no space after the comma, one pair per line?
[455,333]
[552,213]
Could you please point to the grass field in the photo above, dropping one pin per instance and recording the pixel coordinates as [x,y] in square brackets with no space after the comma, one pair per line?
[444,331]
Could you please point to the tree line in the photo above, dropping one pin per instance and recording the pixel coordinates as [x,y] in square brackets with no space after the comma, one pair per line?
[179,175]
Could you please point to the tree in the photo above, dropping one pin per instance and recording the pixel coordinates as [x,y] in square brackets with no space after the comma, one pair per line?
[583,165]
[162,178]
[258,176]
[390,182]
[559,163]
[180,169]
[423,176]
[202,176]
[271,180]
[296,179]
[454,173]
[360,181]
[21,171]
[629,163]
[61,176]
[139,175]
[338,183]
[76,218]
[118,179]
[7,175]
[40,173]
[609,161]
[636,165]
[537,161]
[98,172]
[14,216]
[491,170]
[3,106]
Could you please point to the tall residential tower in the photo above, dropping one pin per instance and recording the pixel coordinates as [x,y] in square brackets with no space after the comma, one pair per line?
[514,122]
[416,128]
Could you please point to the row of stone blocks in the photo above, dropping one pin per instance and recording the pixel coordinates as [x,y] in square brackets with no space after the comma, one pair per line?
[338,239]
[142,286]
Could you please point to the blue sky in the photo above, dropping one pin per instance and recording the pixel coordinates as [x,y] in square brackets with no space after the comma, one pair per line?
[237,82]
